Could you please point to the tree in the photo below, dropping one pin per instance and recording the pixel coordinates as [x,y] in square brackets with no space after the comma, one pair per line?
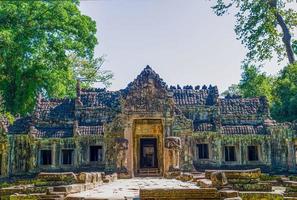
[257,28]
[38,43]
[232,91]
[284,107]
[255,83]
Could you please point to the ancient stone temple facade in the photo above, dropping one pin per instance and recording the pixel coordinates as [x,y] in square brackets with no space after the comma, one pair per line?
[147,129]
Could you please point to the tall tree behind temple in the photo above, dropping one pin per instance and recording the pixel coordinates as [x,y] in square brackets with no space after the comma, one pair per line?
[257,27]
[253,83]
[284,107]
[37,42]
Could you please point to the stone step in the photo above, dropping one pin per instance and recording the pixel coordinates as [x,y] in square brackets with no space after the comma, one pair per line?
[233,198]
[204,183]
[51,198]
[226,193]
[54,196]
[58,193]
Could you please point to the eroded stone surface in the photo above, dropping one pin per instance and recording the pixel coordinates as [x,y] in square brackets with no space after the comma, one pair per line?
[129,188]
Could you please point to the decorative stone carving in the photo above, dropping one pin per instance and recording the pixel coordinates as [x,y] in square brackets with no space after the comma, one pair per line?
[173,144]
[121,148]
[147,93]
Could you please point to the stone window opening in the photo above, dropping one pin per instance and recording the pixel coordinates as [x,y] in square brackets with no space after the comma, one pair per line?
[67,156]
[203,152]
[253,153]
[96,154]
[230,155]
[45,157]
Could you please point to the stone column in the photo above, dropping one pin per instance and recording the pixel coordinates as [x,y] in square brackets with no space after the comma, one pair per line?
[291,157]
[128,134]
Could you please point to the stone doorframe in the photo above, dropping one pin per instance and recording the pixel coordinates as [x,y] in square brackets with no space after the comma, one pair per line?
[147,128]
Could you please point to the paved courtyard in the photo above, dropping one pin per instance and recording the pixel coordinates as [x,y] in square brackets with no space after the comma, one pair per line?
[129,188]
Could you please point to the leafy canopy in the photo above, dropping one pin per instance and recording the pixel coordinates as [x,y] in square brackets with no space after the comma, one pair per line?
[263,26]
[44,47]
[284,107]
[255,83]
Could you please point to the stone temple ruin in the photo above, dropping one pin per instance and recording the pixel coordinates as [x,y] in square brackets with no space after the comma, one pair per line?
[148,129]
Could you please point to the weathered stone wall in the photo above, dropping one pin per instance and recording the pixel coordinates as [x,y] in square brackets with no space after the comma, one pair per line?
[217,142]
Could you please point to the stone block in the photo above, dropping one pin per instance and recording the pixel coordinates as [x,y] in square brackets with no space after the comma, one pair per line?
[185,177]
[253,187]
[218,179]
[172,174]
[84,177]
[179,194]
[290,185]
[243,181]
[63,176]
[260,196]
[69,188]
[237,174]
[225,193]
[204,183]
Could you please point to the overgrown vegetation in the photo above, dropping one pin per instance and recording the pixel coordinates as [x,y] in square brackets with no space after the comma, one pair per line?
[265,28]
[44,47]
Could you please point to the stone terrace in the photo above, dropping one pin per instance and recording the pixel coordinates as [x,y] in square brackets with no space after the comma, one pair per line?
[129,188]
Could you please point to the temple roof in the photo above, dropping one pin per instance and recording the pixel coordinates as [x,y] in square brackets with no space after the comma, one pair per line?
[92,108]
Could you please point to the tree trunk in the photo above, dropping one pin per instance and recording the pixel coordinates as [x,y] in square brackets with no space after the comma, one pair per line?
[286,32]
[286,38]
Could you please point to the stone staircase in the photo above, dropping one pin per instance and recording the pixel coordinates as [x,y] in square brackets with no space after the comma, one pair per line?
[149,172]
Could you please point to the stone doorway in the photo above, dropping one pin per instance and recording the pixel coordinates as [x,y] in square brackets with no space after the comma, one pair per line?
[148,147]
[148,153]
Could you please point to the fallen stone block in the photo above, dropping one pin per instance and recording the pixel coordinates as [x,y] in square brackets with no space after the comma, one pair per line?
[237,174]
[233,198]
[84,177]
[63,176]
[218,179]
[185,177]
[178,194]
[253,187]
[204,183]
[243,181]
[260,195]
[69,188]
[228,193]
[291,186]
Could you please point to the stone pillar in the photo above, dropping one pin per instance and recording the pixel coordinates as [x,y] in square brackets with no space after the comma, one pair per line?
[291,157]
[121,162]
[128,134]
[172,149]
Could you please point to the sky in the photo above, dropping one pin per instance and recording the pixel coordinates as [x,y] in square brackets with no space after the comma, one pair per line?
[182,40]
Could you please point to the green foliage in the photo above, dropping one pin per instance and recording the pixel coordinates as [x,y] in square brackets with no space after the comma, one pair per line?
[42,46]
[233,90]
[256,26]
[255,83]
[284,107]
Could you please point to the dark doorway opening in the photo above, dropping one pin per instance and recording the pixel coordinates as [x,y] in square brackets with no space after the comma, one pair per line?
[67,155]
[46,157]
[148,153]
[230,153]
[203,151]
[96,153]
[253,154]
